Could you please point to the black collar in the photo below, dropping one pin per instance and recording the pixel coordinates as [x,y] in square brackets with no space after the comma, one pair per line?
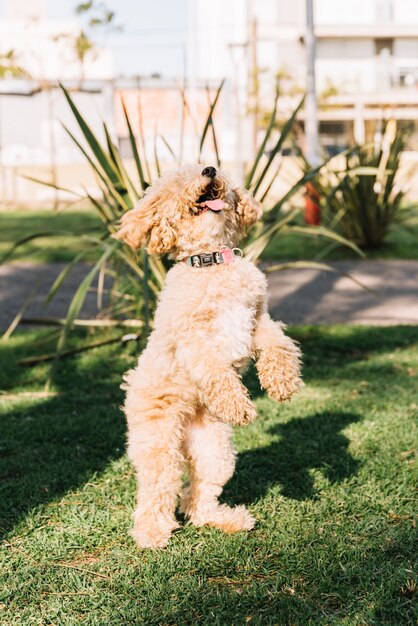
[226,256]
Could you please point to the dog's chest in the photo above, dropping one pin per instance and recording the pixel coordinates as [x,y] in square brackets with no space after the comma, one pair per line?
[217,308]
[236,305]
[234,326]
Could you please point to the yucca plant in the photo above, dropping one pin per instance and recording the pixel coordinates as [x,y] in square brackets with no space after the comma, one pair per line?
[280,216]
[365,199]
[137,278]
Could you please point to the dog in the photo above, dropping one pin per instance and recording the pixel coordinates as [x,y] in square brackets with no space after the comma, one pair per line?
[186,392]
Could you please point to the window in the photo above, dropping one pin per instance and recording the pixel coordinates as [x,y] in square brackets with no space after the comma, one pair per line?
[383,47]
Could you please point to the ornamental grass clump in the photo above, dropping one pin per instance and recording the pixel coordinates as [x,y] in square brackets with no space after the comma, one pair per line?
[366,198]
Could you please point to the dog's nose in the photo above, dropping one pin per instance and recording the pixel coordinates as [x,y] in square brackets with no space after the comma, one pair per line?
[209,171]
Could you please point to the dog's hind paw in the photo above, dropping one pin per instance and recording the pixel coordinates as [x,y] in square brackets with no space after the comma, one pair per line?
[152,532]
[226,518]
[153,540]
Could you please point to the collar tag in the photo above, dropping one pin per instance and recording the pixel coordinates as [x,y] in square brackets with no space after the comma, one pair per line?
[219,257]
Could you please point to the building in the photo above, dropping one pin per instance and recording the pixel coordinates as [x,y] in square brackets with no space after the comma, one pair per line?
[366,64]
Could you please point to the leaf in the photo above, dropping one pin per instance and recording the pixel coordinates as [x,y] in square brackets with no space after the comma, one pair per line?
[53,185]
[274,177]
[28,362]
[365,171]
[306,178]
[106,218]
[270,126]
[283,135]
[135,267]
[141,134]
[14,324]
[126,181]
[63,275]
[100,286]
[96,323]
[254,249]
[99,153]
[158,269]
[156,160]
[169,148]
[212,127]
[80,295]
[321,231]
[21,242]
[120,199]
[134,148]
[209,120]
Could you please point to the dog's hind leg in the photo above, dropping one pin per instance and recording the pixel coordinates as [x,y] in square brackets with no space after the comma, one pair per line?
[211,457]
[154,446]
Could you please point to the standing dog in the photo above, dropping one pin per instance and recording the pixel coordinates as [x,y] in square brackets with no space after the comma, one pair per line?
[186,391]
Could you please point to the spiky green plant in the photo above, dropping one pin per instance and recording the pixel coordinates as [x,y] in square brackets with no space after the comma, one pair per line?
[137,278]
[365,199]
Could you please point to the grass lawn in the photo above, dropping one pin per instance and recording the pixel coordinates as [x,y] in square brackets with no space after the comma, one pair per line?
[330,478]
[15,225]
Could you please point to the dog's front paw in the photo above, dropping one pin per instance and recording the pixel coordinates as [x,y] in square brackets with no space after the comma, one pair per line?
[284,387]
[279,373]
[233,409]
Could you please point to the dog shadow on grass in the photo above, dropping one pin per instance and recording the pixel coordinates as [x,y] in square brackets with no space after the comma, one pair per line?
[299,446]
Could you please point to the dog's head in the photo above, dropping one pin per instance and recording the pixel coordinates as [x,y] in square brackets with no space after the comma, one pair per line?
[191,210]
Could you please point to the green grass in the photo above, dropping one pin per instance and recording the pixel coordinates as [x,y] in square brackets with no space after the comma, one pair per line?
[330,478]
[17,224]
[400,244]
[14,225]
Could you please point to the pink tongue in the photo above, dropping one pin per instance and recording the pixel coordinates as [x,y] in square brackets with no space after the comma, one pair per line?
[215,205]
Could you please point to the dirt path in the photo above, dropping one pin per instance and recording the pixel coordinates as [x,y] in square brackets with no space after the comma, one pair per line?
[302,296]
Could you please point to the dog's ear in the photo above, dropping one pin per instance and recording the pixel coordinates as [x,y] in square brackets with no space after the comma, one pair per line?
[248,208]
[147,223]
[162,237]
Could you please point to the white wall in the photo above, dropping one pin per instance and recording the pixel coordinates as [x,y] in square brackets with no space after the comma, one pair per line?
[213,26]
[344,12]
[405,11]
[405,51]
[25,126]
[349,64]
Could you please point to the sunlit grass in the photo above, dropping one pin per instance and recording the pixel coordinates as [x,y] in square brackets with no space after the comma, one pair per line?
[17,224]
[329,477]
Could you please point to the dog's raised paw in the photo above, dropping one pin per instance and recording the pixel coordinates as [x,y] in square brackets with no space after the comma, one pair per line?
[285,387]
[234,409]
[249,415]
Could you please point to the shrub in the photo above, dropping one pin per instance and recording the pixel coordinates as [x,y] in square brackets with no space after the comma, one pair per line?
[364,200]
